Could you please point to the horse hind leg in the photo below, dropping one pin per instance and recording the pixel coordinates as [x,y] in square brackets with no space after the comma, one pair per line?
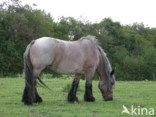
[37,99]
[26,98]
[72,93]
[29,90]
[30,94]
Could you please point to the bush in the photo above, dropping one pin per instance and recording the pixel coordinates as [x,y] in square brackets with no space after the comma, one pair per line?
[131,49]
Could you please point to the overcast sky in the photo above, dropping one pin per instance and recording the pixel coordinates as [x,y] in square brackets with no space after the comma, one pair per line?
[124,11]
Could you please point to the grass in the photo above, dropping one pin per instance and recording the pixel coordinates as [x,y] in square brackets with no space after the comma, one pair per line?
[141,93]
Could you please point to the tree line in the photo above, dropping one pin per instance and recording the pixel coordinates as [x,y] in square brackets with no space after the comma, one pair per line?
[130,48]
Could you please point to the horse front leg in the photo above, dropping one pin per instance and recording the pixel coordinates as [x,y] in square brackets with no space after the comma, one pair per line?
[72,93]
[88,96]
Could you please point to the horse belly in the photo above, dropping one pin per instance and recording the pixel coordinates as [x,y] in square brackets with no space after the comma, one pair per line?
[67,67]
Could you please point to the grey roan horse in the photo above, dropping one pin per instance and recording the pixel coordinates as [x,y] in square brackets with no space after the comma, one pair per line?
[81,57]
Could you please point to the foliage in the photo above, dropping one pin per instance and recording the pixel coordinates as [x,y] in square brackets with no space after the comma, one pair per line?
[131,49]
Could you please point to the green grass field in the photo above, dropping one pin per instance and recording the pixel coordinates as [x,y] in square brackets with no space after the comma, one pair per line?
[54,103]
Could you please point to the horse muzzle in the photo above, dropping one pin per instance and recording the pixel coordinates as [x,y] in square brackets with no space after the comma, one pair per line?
[108,98]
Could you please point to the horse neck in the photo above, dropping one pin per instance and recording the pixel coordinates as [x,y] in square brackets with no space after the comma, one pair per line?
[103,67]
[101,71]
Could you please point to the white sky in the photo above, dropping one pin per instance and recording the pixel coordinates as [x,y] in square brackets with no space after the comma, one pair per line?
[124,11]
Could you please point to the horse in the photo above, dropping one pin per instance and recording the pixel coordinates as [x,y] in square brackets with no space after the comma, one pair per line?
[81,57]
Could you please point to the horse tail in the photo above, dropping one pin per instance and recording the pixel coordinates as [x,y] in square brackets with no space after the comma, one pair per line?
[28,93]
[28,68]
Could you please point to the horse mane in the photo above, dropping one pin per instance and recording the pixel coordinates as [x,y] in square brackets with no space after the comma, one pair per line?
[107,66]
[93,39]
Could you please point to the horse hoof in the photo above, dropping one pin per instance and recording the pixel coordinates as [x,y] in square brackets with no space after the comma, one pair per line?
[38,100]
[73,100]
[89,99]
[28,103]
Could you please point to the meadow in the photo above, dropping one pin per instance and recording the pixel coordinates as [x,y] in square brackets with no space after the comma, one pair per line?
[137,93]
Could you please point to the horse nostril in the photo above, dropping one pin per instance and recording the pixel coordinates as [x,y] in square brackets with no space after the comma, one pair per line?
[112,83]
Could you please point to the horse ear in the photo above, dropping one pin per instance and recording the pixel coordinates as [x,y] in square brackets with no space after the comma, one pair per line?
[112,72]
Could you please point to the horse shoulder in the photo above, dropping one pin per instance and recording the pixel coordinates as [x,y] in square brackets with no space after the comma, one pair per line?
[92,57]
